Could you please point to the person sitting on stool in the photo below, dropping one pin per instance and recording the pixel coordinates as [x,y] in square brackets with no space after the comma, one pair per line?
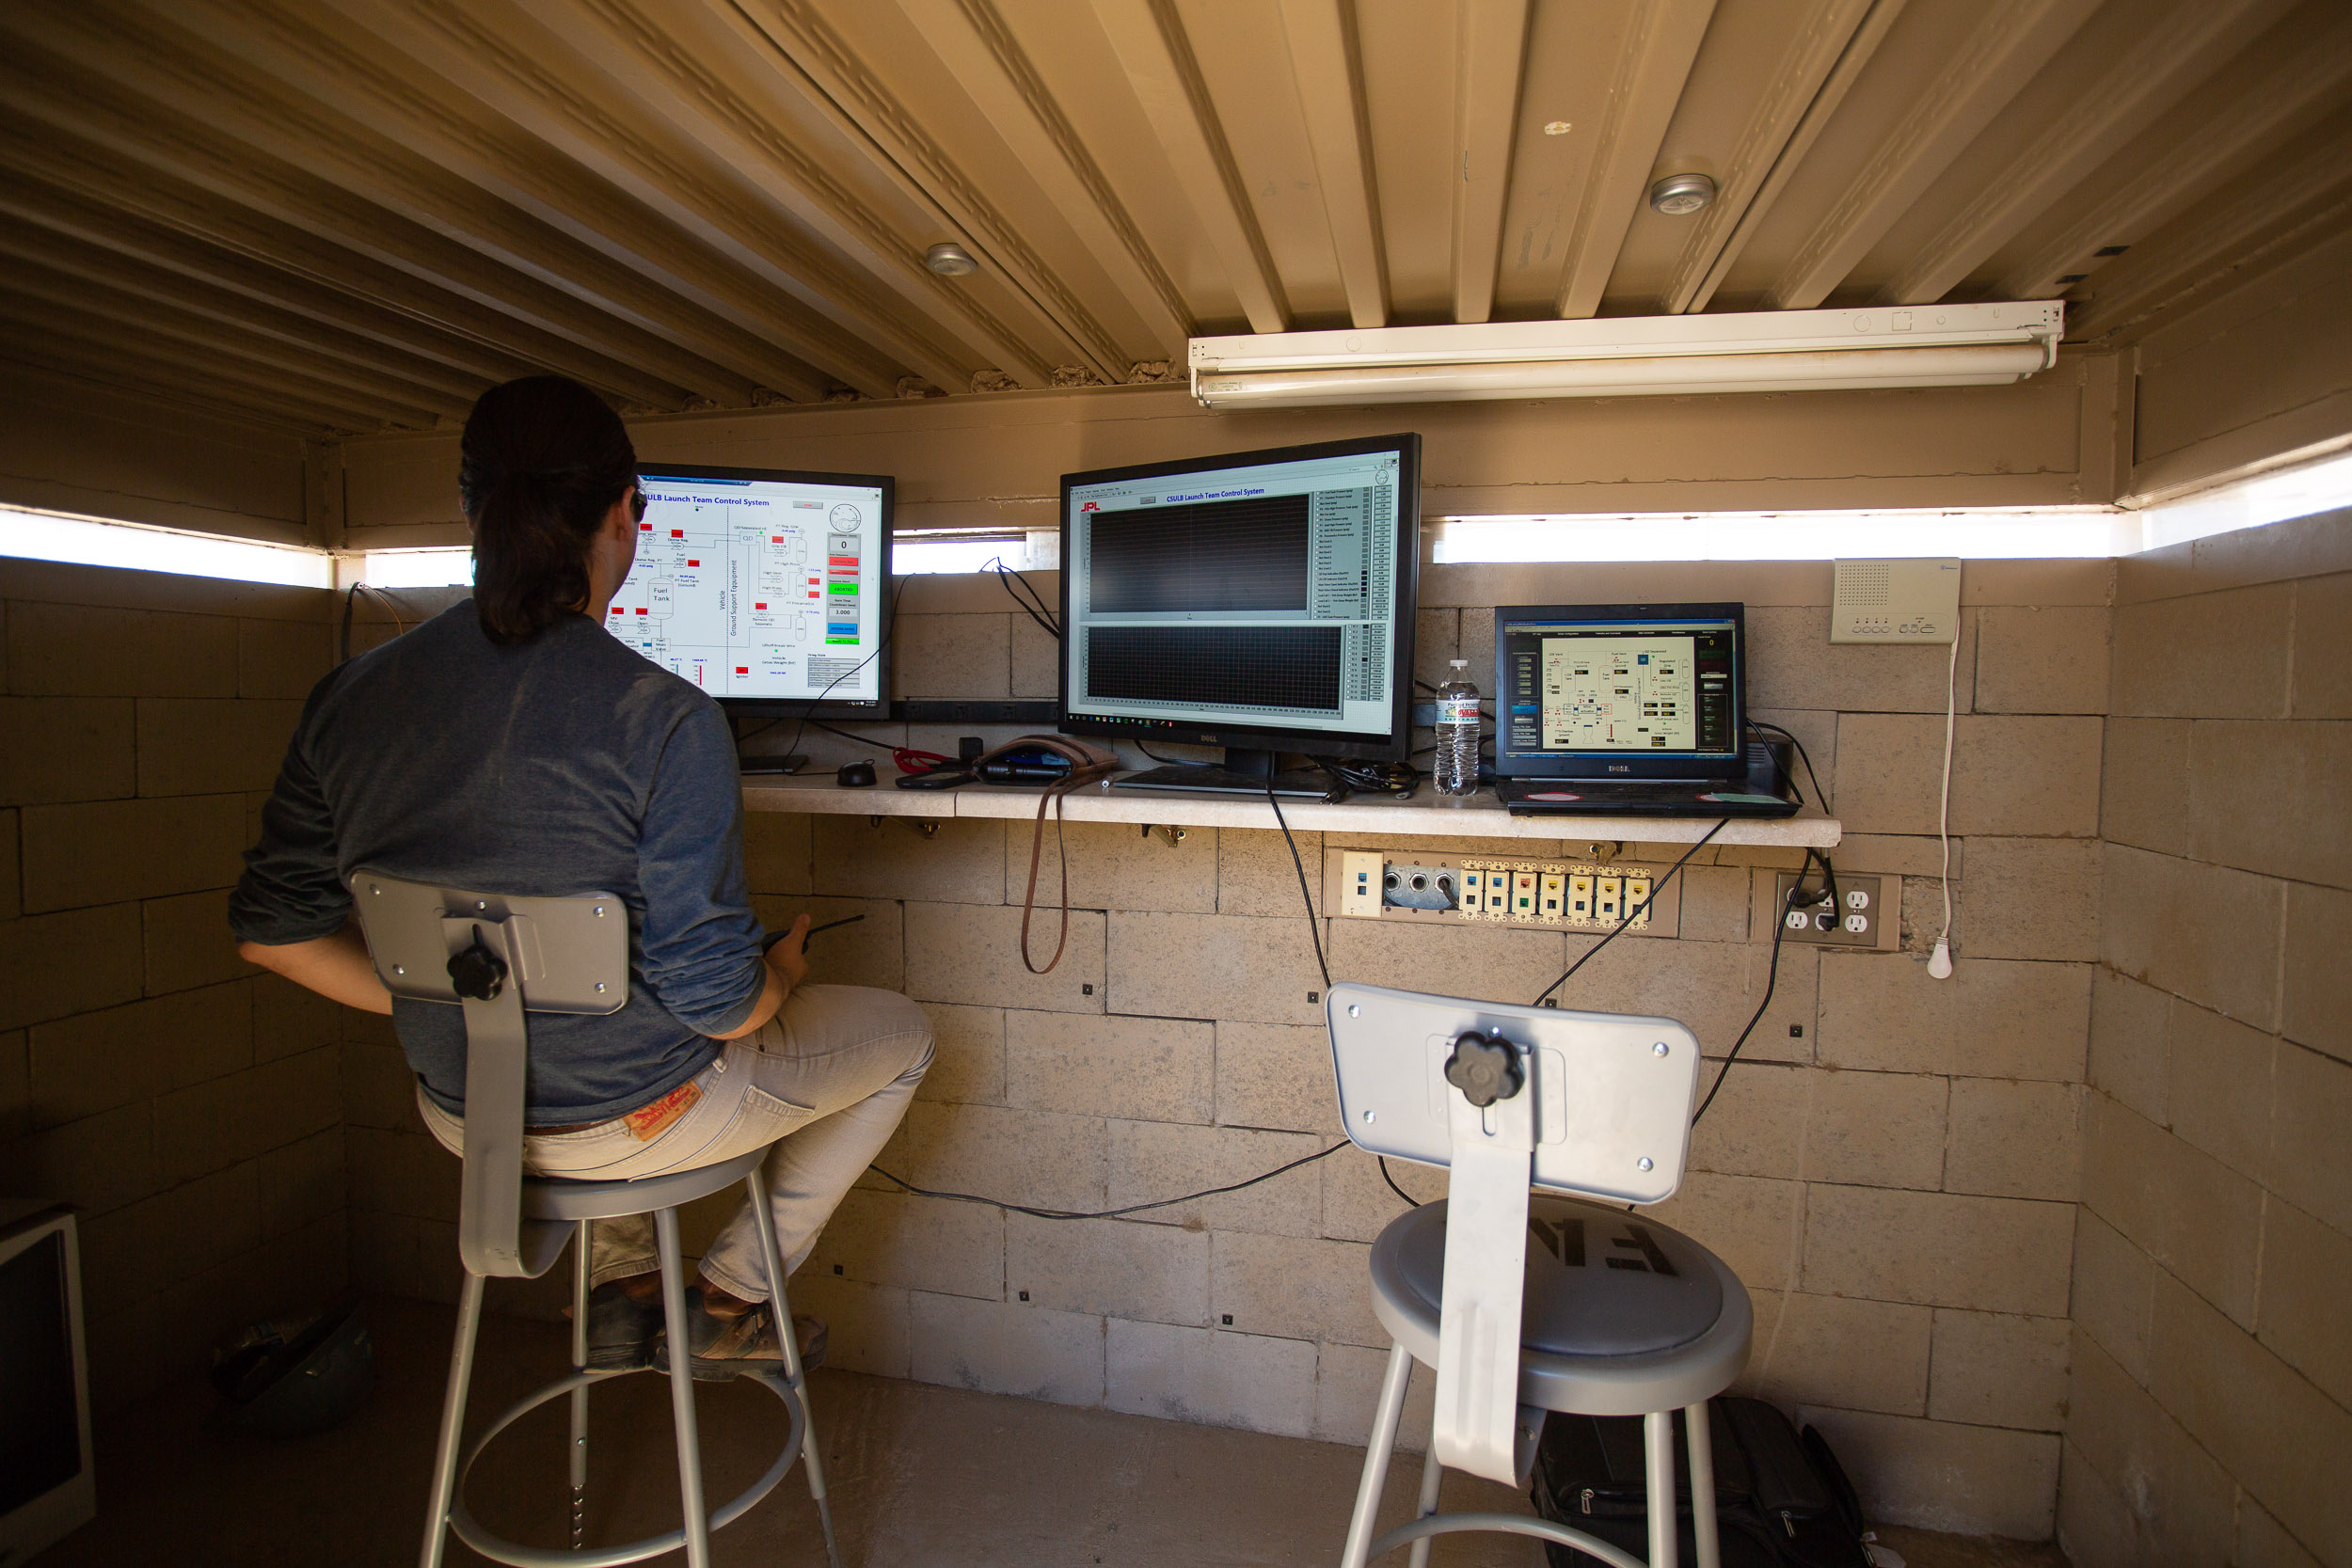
[512,744]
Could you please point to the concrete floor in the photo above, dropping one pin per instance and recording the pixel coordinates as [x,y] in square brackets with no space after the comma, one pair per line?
[921,1477]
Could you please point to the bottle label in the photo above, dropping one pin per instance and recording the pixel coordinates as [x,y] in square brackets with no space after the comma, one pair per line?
[1458,710]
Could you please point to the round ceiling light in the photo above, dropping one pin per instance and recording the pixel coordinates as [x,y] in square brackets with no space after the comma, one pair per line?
[950,259]
[1680,195]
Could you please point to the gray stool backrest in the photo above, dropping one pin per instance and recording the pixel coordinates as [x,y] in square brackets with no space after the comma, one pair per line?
[567,955]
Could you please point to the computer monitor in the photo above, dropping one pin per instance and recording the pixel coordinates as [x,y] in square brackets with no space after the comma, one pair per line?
[1261,601]
[1639,691]
[768,587]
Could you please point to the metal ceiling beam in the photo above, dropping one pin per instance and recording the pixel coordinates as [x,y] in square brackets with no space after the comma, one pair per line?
[1490,62]
[59,227]
[104,176]
[1327,64]
[59,266]
[1149,39]
[104,343]
[709,105]
[972,41]
[2244,226]
[811,57]
[456,140]
[515,69]
[40,84]
[2013,40]
[2169,60]
[2311,73]
[409,165]
[207,395]
[1805,87]
[1653,66]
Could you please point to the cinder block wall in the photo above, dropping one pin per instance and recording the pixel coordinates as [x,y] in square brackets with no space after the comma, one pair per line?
[186,1104]
[1892,1168]
[2211,1406]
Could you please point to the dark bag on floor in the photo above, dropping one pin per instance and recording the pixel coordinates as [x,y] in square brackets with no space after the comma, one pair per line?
[1782,1500]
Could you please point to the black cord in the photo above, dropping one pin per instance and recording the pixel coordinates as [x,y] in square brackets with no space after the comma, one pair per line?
[1812,778]
[1314,926]
[813,703]
[343,648]
[1170,762]
[1626,919]
[1032,603]
[1411,1202]
[1107,1213]
[1771,978]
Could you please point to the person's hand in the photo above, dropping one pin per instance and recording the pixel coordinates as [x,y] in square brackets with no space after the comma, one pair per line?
[785,957]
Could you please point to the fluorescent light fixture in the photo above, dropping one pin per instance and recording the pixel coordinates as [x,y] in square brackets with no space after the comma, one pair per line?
[2070,531]
[1768,351]
[30,534]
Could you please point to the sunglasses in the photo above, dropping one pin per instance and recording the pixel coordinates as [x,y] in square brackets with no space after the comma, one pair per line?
[636,503]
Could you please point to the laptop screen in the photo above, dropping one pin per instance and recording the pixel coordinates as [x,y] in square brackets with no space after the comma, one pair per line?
[1619,691]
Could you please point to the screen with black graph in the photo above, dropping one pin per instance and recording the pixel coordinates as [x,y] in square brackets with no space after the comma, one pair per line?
[1237,556]
[1237,594]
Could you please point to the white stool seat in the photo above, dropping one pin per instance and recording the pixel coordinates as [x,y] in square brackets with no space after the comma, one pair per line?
[1622,1315]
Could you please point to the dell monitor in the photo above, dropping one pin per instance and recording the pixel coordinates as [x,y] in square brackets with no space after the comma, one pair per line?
[768,587]
[1261,601]
[1624,691]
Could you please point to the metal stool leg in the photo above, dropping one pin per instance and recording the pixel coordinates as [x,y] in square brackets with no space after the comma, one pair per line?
[1385,1417]
[580,1395]
[1658,1436]
[1432,1473]
[771,1257]
[1701,1438]
[689,1451]
[452,1419]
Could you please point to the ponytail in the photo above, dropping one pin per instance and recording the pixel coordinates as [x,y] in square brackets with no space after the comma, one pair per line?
[541,465]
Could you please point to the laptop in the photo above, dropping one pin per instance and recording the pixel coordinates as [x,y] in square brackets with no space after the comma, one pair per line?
[1629,710]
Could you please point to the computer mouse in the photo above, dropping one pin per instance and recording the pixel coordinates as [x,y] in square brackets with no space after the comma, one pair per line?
[855,775]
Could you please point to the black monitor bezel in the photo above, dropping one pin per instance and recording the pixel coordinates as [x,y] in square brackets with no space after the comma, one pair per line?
[1623,765]
[836,708]
[1397,743]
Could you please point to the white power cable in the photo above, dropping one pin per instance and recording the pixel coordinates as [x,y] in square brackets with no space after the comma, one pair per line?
[1940,961]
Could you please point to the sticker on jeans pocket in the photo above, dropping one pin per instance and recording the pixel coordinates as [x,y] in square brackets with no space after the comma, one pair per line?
[649,1122]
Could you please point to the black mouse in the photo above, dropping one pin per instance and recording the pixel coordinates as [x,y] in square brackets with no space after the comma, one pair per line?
[855,775]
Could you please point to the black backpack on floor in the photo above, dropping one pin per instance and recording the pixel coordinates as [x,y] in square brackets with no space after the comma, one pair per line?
[1782,1500]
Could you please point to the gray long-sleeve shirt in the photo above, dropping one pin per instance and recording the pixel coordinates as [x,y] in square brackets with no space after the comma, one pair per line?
[562,765]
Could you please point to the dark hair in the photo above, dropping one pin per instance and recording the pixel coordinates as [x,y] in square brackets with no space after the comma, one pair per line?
[542,461]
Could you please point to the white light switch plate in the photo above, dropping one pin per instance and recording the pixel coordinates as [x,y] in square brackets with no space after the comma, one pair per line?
[1895,601]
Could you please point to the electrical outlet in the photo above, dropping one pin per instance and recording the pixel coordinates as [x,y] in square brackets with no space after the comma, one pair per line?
[1866,913]
[1416,886]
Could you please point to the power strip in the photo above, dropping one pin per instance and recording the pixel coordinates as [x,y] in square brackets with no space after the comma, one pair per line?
[1581,895]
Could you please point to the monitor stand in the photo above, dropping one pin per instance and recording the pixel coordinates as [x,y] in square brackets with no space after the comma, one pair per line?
[1245,773]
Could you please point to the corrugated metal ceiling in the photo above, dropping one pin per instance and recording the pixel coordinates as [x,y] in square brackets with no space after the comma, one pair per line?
[354,214]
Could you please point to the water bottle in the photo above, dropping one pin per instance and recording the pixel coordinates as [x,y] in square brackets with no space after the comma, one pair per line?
[1457,771]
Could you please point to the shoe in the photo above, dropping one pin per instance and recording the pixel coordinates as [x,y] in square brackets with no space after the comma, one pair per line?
[723,1348]
[620,1330]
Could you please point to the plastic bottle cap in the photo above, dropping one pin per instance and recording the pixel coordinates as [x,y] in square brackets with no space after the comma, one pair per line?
[1459,663]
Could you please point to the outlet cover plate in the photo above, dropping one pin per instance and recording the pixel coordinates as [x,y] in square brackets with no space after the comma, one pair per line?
[1880,911]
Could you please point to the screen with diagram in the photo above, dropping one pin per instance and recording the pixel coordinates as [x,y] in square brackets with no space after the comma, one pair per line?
[1621,686]
[760,588]
[1261,596]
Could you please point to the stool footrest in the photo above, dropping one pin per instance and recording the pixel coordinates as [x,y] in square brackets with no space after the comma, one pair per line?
[500,1550]
[1506,1524]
